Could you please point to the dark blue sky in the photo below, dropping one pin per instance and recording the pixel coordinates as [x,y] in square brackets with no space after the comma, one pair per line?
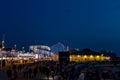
[80,24]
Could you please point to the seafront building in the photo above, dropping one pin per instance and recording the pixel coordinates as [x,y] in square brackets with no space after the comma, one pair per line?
[42,52]
[85,55]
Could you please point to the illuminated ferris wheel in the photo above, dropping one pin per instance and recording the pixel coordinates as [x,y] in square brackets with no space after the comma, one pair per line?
[58,48]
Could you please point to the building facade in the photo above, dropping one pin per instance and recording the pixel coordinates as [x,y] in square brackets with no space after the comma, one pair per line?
[86,55]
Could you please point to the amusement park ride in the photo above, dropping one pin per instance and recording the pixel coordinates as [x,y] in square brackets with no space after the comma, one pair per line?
[36,52]
[43,51]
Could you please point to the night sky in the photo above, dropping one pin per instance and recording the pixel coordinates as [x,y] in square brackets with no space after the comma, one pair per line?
[93,24]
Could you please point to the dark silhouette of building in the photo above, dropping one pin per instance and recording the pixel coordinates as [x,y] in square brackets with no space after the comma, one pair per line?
[64,57]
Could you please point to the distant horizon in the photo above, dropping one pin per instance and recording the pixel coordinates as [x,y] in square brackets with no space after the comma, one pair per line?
[70,48]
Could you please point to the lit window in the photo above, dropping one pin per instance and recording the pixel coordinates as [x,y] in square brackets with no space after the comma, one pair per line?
[97,56]
[91,56]
[85,56]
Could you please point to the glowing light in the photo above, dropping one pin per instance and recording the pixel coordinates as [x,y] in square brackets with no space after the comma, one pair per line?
[91,56]
[85,56]
[36,56]
[108,58]
[101,54]
[97,56]
[4,58]
[78,56]
[3,47]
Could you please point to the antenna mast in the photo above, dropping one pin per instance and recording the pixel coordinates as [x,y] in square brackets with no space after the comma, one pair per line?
[3,42]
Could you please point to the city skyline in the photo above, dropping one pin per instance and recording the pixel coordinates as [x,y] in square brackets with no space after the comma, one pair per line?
[77,24]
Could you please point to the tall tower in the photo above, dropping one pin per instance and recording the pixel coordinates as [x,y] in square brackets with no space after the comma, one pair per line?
[14,46]
[23,49]
[3,42]
[67,48]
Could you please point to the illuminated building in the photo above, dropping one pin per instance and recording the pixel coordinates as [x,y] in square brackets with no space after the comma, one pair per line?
[56,57]
[87,55]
